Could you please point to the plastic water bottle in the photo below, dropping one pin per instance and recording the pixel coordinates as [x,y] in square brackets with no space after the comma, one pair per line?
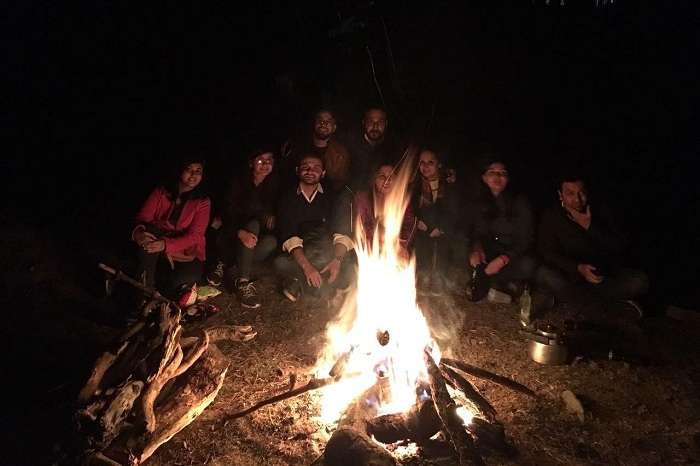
[526,307]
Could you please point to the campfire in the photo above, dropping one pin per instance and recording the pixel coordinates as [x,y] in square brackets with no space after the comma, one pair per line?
[393,385]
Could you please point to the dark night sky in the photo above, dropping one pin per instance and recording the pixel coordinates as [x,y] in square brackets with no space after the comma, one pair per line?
[118,89]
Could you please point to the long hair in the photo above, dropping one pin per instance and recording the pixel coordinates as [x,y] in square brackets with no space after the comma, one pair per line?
[172,183]
[493,207]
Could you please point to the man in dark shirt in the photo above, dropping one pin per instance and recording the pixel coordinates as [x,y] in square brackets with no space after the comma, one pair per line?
[581,250]
[311,246]
[371,147]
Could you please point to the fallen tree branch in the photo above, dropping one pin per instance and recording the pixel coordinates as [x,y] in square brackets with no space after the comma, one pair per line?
[313,384]
[490,376]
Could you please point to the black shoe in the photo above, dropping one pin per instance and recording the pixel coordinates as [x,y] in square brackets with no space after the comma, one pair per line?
[216,276]
[292,289]
[247,294]
[479,285]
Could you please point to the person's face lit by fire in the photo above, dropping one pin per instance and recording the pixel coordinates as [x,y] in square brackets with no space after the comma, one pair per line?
[191,176]
[383,179]
[429,165]
[262,165]
[310,170]
[374,125]
[496,178]
[324,125]
[573,196]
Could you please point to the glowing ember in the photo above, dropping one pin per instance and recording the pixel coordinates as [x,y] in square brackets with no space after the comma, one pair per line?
[381,330]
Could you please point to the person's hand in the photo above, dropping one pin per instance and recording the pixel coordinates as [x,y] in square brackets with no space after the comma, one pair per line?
[435,233]
[216,223]
[422,226]
[333,268]
[587,271]
[495,266]
[154,246]
[313,277]
[451,175]
[248,239]
[142,237]
[582,218]
[477,257]
[270,222]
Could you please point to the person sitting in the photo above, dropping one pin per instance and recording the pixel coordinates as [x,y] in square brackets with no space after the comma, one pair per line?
[581,249]
[503,236]
[247,225]
[438,239]
[311,245]
[368,206]
[170,230]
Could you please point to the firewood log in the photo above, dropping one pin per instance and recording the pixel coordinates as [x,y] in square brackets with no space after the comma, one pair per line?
[447,411]
[350,447]
[477,402]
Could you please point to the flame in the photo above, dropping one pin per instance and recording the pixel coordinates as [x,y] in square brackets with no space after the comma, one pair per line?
[385,301]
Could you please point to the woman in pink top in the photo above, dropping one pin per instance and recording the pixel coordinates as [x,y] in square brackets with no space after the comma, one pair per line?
[170,230]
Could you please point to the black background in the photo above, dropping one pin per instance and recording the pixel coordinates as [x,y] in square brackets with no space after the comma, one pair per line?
[103,95]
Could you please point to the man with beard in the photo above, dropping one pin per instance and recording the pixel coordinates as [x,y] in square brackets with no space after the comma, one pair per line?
[372,147]
[314,255]
[335,156]
[581,250]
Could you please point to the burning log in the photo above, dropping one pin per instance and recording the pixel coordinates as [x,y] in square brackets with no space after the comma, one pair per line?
[478,403]
[490,376]
[419,424]
[350,447]
[446,410]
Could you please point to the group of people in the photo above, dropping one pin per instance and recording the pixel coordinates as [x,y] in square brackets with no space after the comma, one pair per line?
[301,204]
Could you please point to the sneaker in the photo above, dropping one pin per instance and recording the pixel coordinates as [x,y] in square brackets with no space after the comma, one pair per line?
[216,276]
[292,289]
[247,294]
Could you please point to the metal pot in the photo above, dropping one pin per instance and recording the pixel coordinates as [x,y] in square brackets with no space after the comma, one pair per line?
[547,346]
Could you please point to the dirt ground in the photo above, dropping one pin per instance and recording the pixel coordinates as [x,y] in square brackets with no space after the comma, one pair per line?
[636,412]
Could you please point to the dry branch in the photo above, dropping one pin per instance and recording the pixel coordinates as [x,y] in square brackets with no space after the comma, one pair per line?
[478,403]
[313,384]
[490,376]
[447,411]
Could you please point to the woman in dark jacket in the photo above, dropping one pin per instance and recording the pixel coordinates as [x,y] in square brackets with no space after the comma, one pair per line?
[503,236]
[248,222]
[438,239]
[170,231]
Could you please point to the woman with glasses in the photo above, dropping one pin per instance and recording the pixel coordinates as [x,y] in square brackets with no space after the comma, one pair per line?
[248,222]
[503,235]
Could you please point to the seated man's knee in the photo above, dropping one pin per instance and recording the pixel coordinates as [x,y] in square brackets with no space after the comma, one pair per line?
[634,282]
[253,226]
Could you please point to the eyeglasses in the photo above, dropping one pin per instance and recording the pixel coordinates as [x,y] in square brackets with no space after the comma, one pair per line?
[264,162]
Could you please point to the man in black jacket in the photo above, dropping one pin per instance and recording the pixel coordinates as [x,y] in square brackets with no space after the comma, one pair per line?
[581,250]
[311,246]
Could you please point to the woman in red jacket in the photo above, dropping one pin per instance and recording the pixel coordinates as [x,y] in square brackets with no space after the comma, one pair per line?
[170,231]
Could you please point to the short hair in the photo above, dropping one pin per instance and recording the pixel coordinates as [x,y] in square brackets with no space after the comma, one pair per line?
[324,110]
[312,155]
[375,107]
[488,159]
[571,176]
[260,150]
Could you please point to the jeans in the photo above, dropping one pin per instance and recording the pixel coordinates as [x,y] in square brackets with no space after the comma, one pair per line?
[319,254]
[158,273]
[231,248]
[437,254]
[620,284]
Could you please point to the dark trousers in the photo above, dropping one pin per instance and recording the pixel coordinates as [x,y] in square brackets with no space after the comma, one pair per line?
[519,269]
[319,254]
[157,272]
[620,284]
[435,255]
[232,249]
